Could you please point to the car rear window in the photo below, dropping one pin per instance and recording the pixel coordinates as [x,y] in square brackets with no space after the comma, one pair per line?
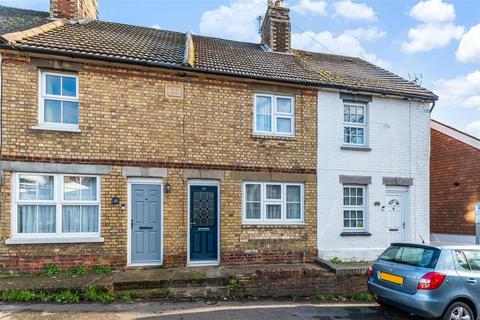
[411,255]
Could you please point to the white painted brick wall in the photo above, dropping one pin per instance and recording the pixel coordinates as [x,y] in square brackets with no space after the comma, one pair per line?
[399,136]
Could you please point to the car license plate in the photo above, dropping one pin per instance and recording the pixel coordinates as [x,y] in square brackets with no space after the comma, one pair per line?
[391,278]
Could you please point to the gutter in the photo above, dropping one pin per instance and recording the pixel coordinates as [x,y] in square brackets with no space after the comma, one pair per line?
[312,84]
[433,105]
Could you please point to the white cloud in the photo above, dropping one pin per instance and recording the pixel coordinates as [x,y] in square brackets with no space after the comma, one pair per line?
[433,11]
[156,26]
[437,28]
[237,21]
[462,91]
[366,34]
[311,6]
[473,128]
[426,37]
[344,44]
[354,11]
[469,48]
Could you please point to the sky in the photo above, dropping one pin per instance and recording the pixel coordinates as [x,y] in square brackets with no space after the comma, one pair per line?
[434,41]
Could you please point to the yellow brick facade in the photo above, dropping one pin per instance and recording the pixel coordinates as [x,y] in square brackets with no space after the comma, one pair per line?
[126,120]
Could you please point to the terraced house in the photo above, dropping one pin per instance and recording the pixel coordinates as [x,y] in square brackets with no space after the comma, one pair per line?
[132,146]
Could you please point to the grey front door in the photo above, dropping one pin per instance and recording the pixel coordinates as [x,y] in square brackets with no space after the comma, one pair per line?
[146,223]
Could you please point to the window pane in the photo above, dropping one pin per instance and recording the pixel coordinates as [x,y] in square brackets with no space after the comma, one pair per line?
[27,219]
[28,185]
[264,105]
[253,210]
[253,192]
[53,111]
[53,85]
[70,112]
[293,211]
[284,125]
[462,261]
[46,219]
[264,123]
[274,211]
[473,257]
[72,188]
[284,105]
[69,86]
[274,192]
[89,188]
[293,194]
[80,219]
[346,113]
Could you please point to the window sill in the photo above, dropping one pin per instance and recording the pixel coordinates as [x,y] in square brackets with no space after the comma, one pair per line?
[355,148]
[299,225]
[355,234]
[53,240]
[59,128]
[273,137]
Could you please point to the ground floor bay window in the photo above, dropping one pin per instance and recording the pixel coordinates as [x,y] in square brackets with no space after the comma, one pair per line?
[52,207]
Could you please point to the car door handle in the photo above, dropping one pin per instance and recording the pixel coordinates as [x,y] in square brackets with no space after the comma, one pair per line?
[471,281]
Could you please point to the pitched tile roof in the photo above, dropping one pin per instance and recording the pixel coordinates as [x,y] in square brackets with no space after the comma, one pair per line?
[140,45]
[14,20]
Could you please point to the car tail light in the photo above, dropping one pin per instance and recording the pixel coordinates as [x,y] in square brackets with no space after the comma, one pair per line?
[431,281]
[370,271]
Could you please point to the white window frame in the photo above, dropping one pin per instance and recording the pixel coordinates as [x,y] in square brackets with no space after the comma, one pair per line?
[348,124]
[58,201]
[42,96]
[264,202]
[355,207]
[275,114]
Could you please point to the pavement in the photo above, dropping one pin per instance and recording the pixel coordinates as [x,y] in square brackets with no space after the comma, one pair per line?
[233,310]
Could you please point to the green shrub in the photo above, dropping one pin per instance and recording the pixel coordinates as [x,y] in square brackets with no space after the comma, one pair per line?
[101,269]
[336,260]
[95,295]
[77,270]
[18,295]
[51,270]
[66,296]
[126,296]
[363,296]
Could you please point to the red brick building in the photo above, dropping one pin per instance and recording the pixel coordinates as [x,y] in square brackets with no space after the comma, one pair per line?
[454,184]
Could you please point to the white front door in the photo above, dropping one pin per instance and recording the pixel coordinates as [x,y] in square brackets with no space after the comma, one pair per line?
[395,208]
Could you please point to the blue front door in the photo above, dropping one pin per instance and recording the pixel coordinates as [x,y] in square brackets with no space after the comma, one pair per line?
[146,224]
[203,223]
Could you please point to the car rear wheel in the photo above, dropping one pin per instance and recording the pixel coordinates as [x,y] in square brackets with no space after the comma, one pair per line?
[458,311]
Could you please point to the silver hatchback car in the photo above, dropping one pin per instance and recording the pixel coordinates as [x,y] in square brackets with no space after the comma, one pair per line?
[429,281]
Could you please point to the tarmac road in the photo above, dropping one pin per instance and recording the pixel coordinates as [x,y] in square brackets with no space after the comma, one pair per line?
[251,310]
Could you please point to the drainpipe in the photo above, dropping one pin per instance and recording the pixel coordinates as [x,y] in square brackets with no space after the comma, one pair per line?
[433,105]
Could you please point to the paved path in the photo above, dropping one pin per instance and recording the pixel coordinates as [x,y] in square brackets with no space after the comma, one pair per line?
[259,310]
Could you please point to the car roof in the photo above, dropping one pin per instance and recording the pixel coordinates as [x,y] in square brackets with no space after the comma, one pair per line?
[440,245]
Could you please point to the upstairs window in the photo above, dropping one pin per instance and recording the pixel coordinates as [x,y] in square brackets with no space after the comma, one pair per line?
[274,115]
[58,99]
[354,124]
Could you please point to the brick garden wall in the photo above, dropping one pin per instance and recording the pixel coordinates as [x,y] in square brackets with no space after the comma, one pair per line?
[126,120]
[455,185]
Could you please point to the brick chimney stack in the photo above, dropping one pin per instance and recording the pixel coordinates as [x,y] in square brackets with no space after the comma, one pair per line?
[74,9]
[276,30]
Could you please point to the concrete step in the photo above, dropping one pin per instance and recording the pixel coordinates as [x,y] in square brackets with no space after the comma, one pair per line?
[175,292]
[172,283]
